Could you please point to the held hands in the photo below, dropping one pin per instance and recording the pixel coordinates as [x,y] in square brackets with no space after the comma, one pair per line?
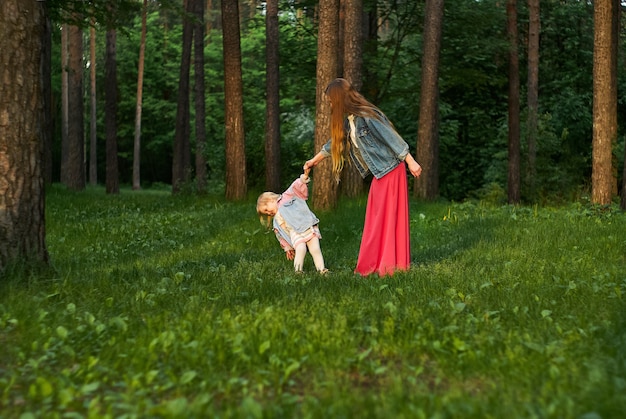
[290,254]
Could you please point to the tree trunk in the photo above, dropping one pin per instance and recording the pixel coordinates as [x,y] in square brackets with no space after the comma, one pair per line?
[351,180]
[93,137]
[236,187]
[65,76]
[533,93]
[110,113]
[74,169]
[181,158]
[324,186]
[272,108]
[514,181]
[139,102]
[22,191]
[199,88]
[603,181]
[48,122]
[427,185]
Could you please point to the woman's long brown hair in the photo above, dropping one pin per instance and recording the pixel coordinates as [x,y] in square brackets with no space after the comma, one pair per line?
[345,100]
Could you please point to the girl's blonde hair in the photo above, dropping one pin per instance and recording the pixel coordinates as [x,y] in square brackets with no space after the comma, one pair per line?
[345,100]
[262,200]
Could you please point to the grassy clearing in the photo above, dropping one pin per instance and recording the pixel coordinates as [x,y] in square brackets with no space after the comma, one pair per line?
[161,306]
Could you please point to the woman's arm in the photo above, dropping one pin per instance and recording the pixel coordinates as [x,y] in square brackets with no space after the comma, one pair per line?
[314,161]
[414,167]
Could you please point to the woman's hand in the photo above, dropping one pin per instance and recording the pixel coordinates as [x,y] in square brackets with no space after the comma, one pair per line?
[413,166]
[313,162]
[290,254]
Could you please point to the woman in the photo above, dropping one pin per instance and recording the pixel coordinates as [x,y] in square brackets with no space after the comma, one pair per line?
[360,129]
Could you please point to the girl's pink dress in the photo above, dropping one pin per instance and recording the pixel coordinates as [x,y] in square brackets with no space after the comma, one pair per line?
[385,245]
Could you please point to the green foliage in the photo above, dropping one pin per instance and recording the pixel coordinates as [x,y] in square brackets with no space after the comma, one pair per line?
[162,306]
[472,102]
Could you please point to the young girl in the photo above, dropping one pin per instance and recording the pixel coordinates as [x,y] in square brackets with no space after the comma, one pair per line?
[295,226]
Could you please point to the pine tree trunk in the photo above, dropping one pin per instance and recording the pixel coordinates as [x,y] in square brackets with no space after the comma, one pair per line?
[93,138]
[22,195]
[272,109]
[110,114]
[48,122]
[603,181]
[181,157]
[236,187]
[139,100]
[351,181]
[533,94]
[427,185]
[324,194]
[514,177]
[74,177]
[199,88]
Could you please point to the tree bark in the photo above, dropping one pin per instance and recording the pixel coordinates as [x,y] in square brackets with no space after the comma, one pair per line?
[534,27]
[514,177]
[181,158]
[199,89]
[603,180]
[427,185]
[22,191]
[110,113]
[74,168]
[48,122]
[65,29]
[272,108]
[236,187]
[93,137]
[324,194]
[351,181]
[139,102]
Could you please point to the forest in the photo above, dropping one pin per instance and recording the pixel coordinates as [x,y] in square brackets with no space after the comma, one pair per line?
[472,102]
[137,281]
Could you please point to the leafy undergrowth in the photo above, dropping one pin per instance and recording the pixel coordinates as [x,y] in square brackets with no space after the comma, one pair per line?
[161,306]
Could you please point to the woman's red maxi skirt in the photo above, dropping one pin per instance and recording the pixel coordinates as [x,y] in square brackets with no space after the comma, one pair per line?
[385,245]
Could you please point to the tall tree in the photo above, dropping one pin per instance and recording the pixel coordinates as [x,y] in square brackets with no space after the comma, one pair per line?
[93,132]
[199,89]
[112,182]
[22,196]
[181,159]
[73,172]
[427,185]
[603,177]
[65,76]
[534,27]
[48,122]
[324,194]
[514,180]
[351,181]
[139,100]
[272,107]
[236,187]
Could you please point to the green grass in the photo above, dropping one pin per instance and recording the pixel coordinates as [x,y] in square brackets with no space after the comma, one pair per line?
[161,306]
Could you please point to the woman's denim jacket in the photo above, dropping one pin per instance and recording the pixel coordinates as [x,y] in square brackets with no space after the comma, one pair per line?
[382,148]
